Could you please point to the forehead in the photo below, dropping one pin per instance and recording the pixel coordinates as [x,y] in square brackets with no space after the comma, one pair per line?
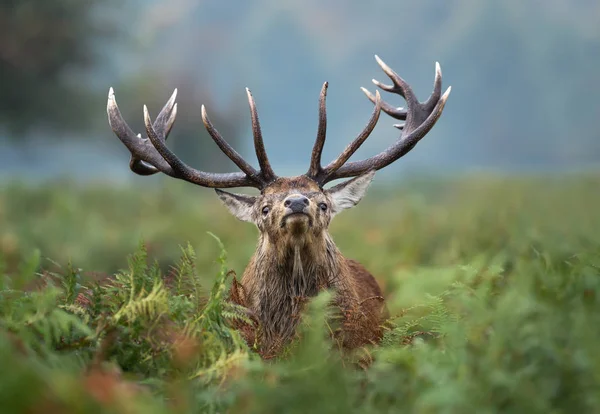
[301,184]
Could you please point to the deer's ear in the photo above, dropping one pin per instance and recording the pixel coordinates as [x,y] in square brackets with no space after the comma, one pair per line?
[239,205]
[349,193]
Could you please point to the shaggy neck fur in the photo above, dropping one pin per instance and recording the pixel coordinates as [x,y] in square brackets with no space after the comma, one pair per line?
[288,273]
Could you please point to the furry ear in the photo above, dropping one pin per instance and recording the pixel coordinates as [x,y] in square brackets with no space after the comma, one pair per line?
[239,205]
[349,193]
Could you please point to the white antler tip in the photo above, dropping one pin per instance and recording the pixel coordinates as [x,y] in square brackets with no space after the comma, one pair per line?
[111,99]
[250,97]
[380,62]
[111,104]
[446,94]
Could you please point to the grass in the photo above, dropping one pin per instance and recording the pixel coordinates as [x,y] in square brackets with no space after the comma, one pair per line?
[494,284]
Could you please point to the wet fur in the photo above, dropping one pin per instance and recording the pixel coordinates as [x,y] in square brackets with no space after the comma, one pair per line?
[293,263]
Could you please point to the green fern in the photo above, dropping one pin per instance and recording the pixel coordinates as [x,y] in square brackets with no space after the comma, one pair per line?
[147,305]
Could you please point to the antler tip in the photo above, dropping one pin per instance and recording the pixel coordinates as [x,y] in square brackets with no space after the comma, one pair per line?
[438,76]
[381,63]
[111,104]
[173,95]
[204,114]
[368,94]
[147,119]
[445,96]
[382,85]
[250,97]
[111,97]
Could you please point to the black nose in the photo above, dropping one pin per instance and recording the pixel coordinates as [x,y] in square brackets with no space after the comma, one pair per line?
[296,203]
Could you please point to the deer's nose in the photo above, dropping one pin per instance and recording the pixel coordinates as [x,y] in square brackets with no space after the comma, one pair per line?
[296,203]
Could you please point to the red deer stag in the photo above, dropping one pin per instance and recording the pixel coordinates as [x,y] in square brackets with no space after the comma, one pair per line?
[295,257]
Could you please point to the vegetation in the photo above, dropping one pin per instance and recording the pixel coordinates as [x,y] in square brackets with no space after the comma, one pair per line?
[494,284]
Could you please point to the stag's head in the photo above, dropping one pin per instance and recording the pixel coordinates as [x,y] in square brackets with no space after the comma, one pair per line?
[288,210]
[296,210]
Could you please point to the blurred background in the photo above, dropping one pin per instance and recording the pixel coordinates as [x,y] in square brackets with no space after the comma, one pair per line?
[524,102]
[485,239]
[524,77]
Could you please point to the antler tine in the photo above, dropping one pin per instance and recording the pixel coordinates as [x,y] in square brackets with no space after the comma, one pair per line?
[400,86]
[419,117]
[315,160]
[225,147]
[163,124]
[151,155]
[334,165]
[166,117]
[437,89]
[184,172]
[398,113]
[144,159]
[266,172]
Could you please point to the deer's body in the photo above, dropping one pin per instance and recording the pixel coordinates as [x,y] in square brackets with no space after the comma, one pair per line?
[289,267]
[295,257]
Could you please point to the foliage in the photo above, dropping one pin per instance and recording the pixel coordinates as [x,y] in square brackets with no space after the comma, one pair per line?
[494,288]
[151,326]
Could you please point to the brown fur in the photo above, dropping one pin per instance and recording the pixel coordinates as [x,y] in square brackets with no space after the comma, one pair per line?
[292,263]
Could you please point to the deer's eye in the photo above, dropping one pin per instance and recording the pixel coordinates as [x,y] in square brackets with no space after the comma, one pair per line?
[265,210]
[323,206]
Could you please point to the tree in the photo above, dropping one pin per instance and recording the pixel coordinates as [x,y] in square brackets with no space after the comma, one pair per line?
[45,45]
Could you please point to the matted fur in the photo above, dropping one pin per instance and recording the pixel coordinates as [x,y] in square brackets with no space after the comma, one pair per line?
[294,262]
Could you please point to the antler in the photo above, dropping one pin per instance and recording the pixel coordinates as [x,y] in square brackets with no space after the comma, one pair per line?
[419,119]
[151,155]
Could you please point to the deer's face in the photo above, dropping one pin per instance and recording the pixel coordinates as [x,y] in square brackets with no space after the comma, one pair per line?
[290,209]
